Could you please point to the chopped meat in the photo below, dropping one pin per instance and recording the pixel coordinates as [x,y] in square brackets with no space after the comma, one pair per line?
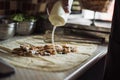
[59,48]
[47,50]
[48,47]
[51,51]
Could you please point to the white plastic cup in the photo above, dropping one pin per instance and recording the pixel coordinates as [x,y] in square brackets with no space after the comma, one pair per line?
[57,16]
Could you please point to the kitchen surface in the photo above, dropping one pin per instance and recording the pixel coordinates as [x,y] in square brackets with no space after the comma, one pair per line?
[21,22]
[72,74]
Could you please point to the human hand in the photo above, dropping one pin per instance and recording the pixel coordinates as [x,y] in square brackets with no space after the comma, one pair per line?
[64,4]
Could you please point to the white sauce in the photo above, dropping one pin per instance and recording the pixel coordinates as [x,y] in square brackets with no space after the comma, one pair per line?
[53,39]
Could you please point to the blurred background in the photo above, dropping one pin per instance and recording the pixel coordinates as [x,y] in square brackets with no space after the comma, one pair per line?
[87,16]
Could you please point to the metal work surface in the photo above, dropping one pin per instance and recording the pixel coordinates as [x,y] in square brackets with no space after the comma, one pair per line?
[29,74]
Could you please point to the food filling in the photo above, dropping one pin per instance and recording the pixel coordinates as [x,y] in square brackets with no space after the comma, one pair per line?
[46,50]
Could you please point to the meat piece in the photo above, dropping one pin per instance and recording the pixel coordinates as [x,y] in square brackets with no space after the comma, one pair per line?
[59,48]
[66,50]
[48,47]
[25,47]
[51,51]
[40,48]
[14,51]
[21,53]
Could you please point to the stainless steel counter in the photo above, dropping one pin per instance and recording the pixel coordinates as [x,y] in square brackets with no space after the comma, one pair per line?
[28,74]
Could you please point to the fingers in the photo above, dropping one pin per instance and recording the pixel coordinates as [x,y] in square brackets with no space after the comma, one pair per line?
[65,5]
[50,4]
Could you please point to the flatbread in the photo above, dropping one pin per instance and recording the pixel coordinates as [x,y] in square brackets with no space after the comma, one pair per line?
[58,62]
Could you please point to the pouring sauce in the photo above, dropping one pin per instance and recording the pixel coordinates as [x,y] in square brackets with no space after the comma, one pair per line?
[53,39]
[58,17]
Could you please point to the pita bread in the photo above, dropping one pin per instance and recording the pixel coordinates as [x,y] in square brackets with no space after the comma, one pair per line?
[58,62]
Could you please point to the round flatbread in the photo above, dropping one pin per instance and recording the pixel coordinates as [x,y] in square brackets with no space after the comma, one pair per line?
[58,62]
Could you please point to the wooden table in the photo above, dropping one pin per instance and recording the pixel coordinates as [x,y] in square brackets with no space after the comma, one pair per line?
[29,74]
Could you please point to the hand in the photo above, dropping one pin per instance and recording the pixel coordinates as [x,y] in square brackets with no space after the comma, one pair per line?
[64,4]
